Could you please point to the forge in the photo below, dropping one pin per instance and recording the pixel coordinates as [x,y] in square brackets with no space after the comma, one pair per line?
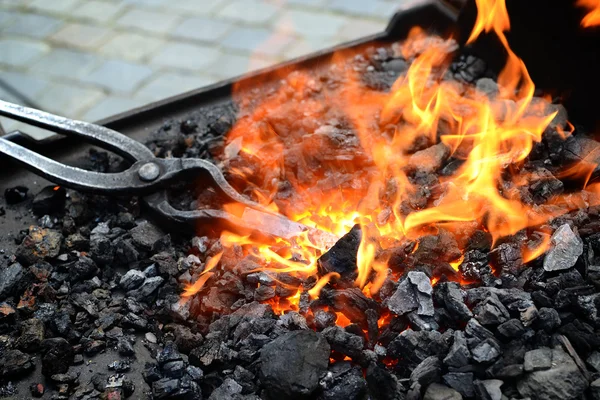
[429,228]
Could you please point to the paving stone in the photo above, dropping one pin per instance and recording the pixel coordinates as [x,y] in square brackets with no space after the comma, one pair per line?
[249,11]
[68,99]
[110,106]
[169,84]
[118,76]
[27,85]
[306,46]
[98,11]
[257,40]
[185,56]
[130,46]
[152,21]
[208,7]
[33,25]
[310,23]
[54,6]
[81,36]
[358,7]
[230,65]
[19,53]
[199,28]
[358,28]
[65,63]
[7,18]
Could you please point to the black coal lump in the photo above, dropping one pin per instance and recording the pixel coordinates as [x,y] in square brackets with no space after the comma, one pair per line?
[15,194]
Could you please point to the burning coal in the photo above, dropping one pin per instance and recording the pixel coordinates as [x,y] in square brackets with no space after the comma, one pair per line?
[429,155]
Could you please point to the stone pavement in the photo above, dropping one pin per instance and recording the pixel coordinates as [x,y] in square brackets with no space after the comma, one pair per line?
[89,59]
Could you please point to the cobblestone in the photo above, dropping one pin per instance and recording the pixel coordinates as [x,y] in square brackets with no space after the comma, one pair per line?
[89,59]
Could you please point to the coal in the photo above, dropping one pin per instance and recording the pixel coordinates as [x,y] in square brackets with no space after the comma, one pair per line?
[341,257]
[145,234]
[489,389]
[293,364]
[226,391]
[413,293]
[462,382]
[435,391]
[563,380]
[38,245]
[11,280]
[459,354]
[414,347]
[344,342]
[511,329]
[565,251]
[343,381]
[147,289]
[486,352]
[15,194]
[428,371]
[491,311]
[382,384]
[32,335]
[452,297]
[57,356]
[49,200]
[14,363]
[537,360]
[132,279]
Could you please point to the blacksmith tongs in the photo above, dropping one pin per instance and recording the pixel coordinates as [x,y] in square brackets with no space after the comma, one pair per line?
[148,177]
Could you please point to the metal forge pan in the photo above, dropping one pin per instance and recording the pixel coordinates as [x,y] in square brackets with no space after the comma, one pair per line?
[435,16]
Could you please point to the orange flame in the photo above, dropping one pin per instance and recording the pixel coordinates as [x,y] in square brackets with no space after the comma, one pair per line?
[592,18]
[330,152]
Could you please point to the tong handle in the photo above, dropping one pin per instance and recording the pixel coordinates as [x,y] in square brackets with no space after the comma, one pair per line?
[96,134]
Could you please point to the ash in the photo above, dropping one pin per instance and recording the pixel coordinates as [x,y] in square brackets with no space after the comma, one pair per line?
[91,306]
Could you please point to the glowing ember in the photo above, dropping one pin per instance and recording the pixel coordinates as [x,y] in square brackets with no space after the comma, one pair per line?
[334,154]
[592,18]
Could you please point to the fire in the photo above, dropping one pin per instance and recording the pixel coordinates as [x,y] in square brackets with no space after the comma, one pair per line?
[592,18]
[332,154]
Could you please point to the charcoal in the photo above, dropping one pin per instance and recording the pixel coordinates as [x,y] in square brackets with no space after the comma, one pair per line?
[476,333]
[344,342]
[145,234]
[101,249]
[473,265]
[125,252]
[38,245]
[292,364]
[491,311]
[15,194]
[352,303]
[435,391]
[451,296]
[124,347]
[135,321]
[151,373]
[511,371]
[82,268]
[264,293]
[434,249]
[86,302]
[538,360]
[513,328]
[147,289]
[382,384]
[37,389]
[57,356]
[563,380]
[548,319]
[293,321]
[343,381]
[174,369]
[165,388]
[486,351]
[462,382]
[428,371]
[459,354]
[49,200]
[195,373]
[507,256]
[226,391]
[132,279]
[431,159]
[185,339]
[565,251]
[32,335]
[593,361]
[414,346]
[210,353]
[169,353]
[489,389]
[413,293]
[94,347]
[341,257]
[14,363]
[422,323]
[151,271]
[544,186]
[324,319]
[11,280]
